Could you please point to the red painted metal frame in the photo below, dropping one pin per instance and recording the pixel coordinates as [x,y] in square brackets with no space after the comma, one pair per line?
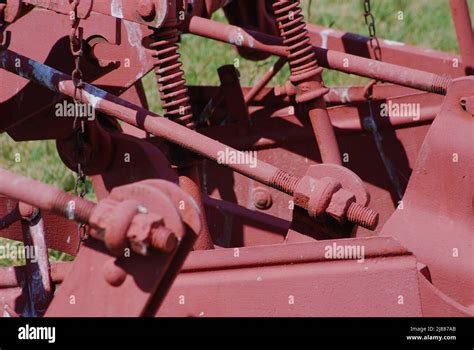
[445,215]
[143,277]
[117,45]
[293,279]
[154,13]
[265,248]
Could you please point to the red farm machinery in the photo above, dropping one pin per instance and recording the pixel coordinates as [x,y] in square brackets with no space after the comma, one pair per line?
[292,200]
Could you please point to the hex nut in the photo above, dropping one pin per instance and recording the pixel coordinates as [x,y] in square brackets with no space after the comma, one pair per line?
[339,204]
[141,230]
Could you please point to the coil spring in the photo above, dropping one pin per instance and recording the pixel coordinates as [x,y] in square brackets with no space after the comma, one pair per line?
[295,36]
[170,77]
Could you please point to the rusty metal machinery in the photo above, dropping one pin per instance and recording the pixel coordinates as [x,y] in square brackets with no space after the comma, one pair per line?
[292,200]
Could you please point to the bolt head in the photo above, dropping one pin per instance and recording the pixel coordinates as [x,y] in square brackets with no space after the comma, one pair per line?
[114,274]
[27,212]
[146,9]
[140,232]
[262,199]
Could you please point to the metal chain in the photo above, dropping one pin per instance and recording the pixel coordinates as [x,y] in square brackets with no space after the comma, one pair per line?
[370,22]
[369,122]
[76,47]
[80,190]
[373,42]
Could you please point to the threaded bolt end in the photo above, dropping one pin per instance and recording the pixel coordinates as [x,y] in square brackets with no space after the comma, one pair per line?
[362,216]
[163,239]
[285,182]
[72,207]
[440,84]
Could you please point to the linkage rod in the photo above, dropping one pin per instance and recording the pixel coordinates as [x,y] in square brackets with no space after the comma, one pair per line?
[336,60]
[161,127]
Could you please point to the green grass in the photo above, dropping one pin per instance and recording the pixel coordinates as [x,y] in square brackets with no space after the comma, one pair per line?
[426,23]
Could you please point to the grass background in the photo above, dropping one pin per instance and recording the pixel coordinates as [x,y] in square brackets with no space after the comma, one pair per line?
[426,23]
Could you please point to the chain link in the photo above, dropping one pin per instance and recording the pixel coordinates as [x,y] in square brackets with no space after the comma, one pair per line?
[76,47]
[80,190]
[370,22]
[373,42]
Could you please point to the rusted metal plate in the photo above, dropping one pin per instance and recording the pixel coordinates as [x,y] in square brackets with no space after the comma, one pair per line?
[437,304]
[297,280]
[437,224]
[100,298]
